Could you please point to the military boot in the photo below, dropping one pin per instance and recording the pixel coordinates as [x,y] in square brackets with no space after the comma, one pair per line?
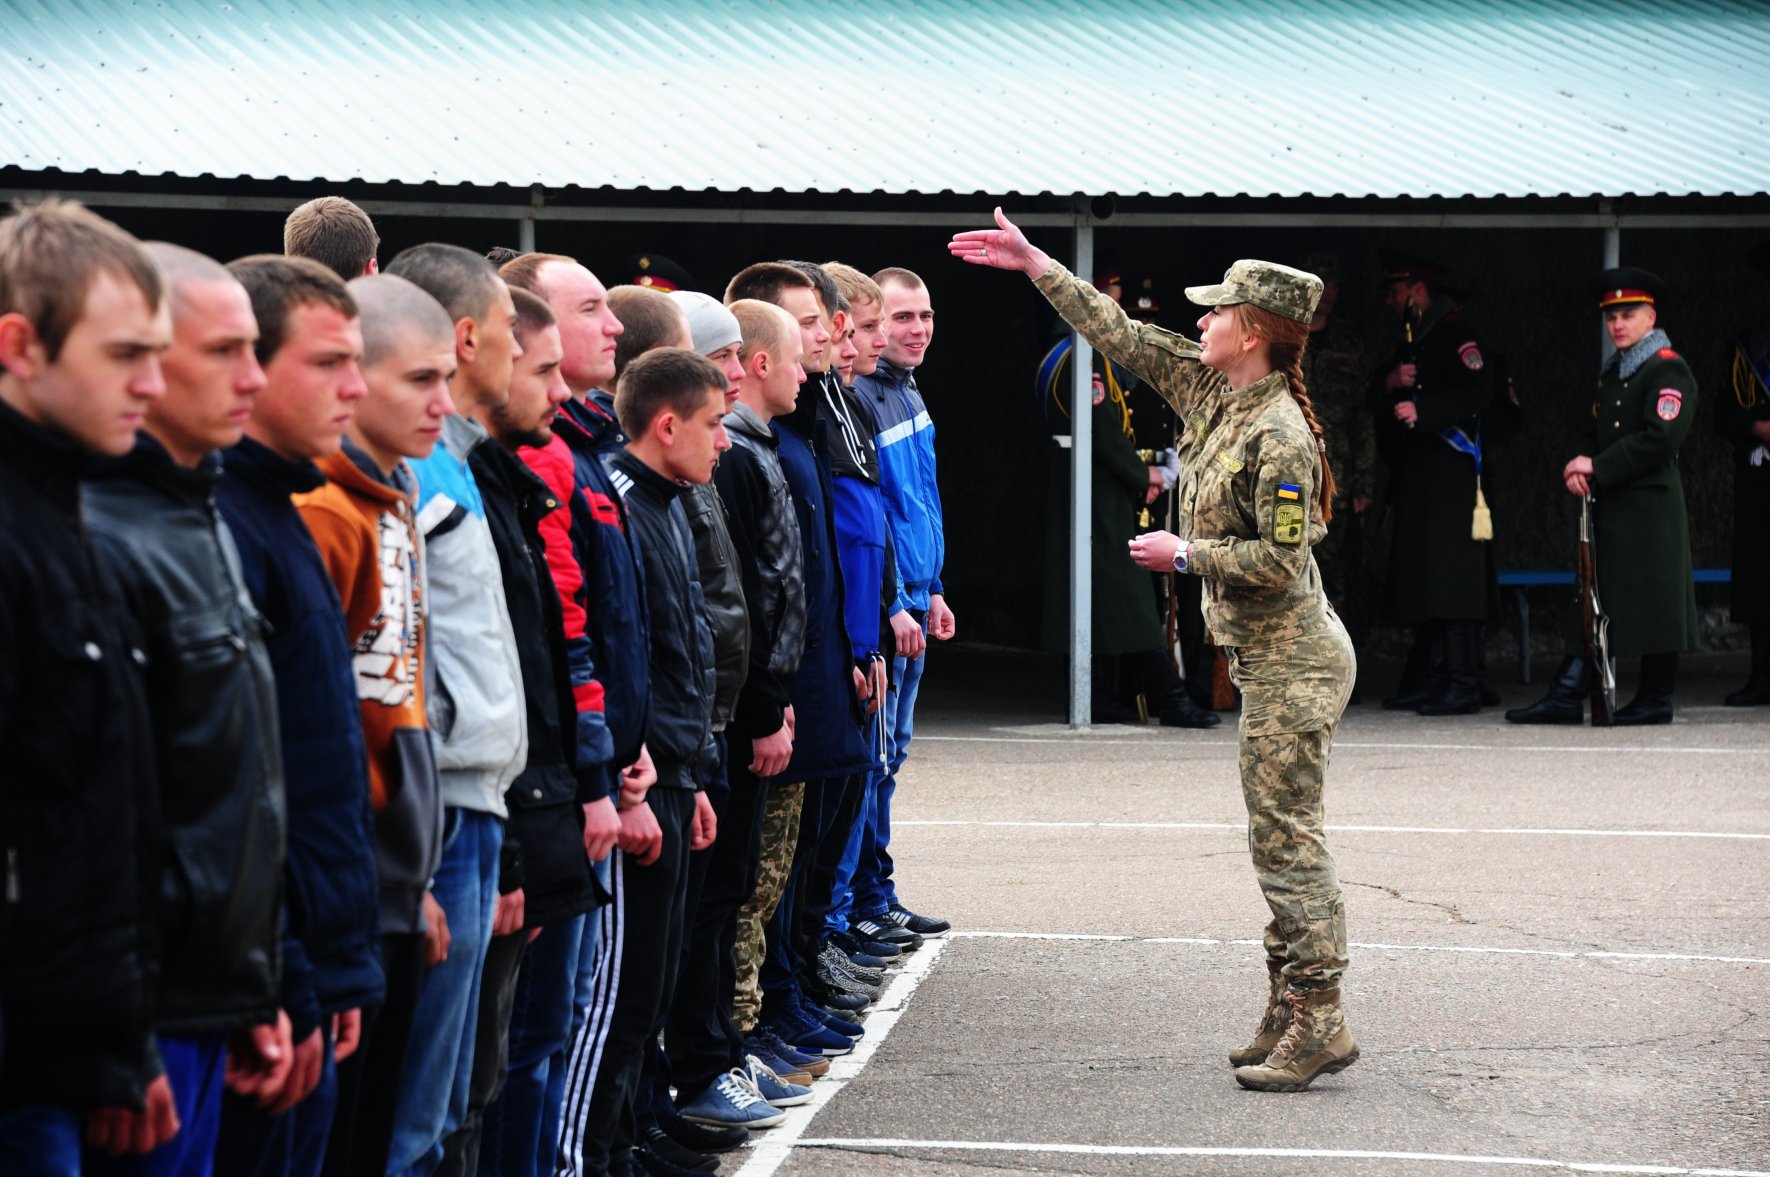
[1652,703]
[1273,1022]
[1317,1042]
[1566,700]
[1457,689]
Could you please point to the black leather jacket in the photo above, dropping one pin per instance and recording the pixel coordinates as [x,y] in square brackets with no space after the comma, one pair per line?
[765,531]
[722,588]
[76,798]
[212,698]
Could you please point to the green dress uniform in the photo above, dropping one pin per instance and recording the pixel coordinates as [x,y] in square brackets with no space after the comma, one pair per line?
[1124,607]
[1645,405]
[1735,415]
[1249,472]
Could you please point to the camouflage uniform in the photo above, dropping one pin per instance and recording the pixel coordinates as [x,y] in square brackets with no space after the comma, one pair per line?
[1249,468]
[780,834]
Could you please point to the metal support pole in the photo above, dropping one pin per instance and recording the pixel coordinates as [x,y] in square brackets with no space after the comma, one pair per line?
[525,228]
[1612,259]
[1081,502]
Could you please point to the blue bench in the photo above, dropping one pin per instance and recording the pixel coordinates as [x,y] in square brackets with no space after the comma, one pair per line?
[1522,580]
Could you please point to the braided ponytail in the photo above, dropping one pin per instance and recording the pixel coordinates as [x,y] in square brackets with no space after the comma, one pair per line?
[1285,340]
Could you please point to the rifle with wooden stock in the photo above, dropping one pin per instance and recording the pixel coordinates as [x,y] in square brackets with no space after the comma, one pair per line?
[1594,623]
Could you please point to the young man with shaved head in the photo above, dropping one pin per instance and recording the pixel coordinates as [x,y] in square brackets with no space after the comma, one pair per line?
[671,403]
[82,328]
[477,709]
[904,433]
[596,573]
[309,343]
[212,700]
[364,523]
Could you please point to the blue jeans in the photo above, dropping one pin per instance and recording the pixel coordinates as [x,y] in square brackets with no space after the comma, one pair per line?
[874,892]
[194,1069]
[293,1144]
[439,1060]
[520,1125]
[40,1140]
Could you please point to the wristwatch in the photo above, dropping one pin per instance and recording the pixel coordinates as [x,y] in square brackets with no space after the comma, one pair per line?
[1180,555]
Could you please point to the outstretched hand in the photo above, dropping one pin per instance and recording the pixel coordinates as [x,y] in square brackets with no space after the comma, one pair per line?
[1004,247]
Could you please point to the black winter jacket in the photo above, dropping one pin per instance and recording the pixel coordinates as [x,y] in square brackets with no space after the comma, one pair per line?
[76,798]
[544,836]
[722,587]
[765,531]
[680,736]
[331,895]
[216,753]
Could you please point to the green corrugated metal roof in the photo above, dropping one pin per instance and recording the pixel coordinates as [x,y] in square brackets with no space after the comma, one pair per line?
[1263,97]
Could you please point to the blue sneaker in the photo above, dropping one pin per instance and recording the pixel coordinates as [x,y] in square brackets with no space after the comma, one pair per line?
[813,1064]
[732,1103]
[833,1021]
[755,1047]
[876,928]
[798,1029]
[851,944]
[925,926]
[771,1087]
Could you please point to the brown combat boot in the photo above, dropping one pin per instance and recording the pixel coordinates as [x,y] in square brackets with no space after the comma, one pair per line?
[1272,1023]
[1317,1042]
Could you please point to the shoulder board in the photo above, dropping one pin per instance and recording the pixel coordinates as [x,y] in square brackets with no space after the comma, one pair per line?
[1666,353]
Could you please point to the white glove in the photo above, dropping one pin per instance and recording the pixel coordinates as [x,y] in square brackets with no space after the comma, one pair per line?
[1169,461]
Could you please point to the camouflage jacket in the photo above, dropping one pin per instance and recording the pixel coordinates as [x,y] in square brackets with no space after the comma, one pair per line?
[1249,468]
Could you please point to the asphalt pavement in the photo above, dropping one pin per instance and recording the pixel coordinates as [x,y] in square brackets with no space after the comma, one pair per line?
[1560,949]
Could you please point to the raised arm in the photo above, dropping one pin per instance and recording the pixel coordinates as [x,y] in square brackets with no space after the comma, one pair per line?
[1167,361]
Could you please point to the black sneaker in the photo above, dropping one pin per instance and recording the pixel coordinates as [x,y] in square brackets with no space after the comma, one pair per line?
[702,1137]
[886,930]
[650,1163]
[661,1145]
[853,945]
[924,926]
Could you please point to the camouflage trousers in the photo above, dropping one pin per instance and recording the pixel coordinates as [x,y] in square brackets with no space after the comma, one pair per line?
[780,835]
[1292,699]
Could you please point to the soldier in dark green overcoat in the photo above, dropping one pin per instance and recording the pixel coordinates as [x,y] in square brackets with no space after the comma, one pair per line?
[1125,623]
[1744,420]
[1628,461]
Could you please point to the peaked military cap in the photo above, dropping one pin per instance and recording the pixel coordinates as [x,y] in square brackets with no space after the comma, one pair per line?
[1405,267]
[660,273]
[1626,286]
[1268,285]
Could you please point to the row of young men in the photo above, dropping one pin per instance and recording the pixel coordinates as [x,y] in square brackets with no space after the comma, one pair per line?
[369,795]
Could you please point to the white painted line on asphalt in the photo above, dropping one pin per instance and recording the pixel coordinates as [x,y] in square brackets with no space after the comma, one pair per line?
[1167,742]
[1547,832]
[1320,1154]
[770,1146]
[1478,950]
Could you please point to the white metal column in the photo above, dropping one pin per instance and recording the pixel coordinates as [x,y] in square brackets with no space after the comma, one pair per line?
[1081,500]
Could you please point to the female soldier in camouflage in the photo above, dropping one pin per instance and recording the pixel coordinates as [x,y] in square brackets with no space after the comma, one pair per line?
[1254,495]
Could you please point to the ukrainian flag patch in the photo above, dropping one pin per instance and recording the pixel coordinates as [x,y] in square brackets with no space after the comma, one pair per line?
[1291,491]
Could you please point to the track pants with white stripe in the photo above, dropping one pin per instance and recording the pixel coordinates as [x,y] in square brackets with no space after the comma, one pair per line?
[639,945]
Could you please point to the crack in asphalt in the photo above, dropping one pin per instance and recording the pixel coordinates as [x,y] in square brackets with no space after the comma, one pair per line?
[1450,909]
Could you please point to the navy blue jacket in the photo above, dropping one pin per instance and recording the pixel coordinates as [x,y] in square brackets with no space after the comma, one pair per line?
[680,732]
[597,573]
[827,739]
[331,898]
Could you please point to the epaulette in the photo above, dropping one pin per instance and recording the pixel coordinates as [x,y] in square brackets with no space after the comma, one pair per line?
[1666,353]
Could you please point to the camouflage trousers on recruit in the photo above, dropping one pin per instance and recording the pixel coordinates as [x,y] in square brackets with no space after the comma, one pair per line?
[780,835]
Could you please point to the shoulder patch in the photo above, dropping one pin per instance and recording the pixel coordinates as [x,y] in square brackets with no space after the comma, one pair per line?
[1287,519]
[1666,353]
[1470,354]
[1671,403]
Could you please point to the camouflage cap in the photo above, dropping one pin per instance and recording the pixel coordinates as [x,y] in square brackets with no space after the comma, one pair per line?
[1268,285]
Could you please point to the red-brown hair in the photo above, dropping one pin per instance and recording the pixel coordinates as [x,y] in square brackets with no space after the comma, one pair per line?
[1285,340]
